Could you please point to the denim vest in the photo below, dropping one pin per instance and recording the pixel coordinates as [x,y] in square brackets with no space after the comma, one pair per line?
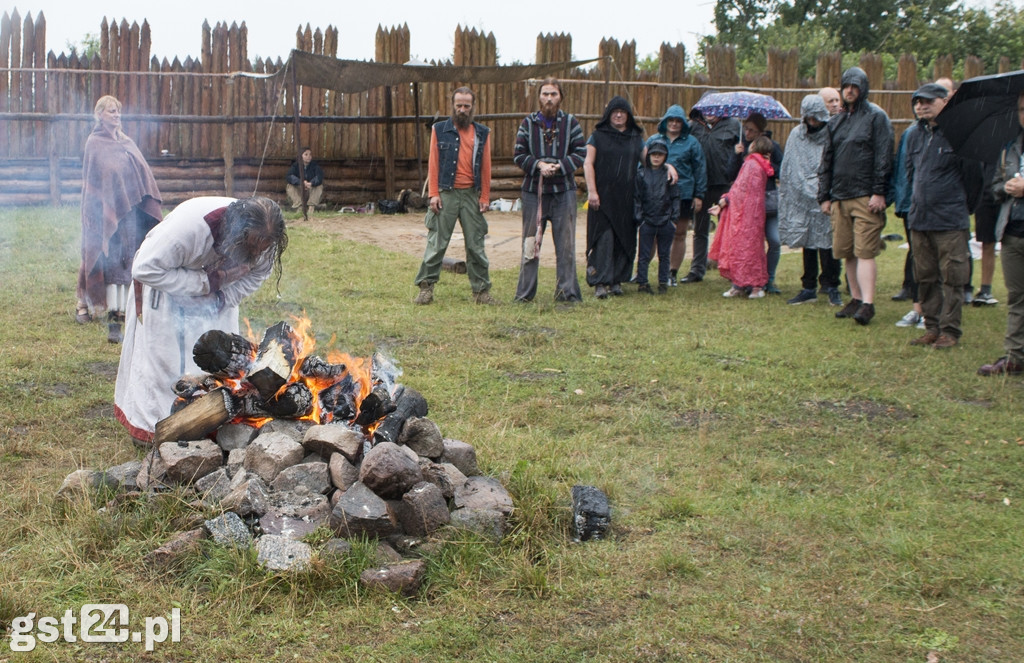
[448,153]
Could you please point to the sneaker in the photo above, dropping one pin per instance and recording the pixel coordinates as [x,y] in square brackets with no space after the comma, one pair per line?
[772,289]
[927,339]
[756,293]
[733,292]
[984,298]
[850,308]
[834,298]
[910,319]
[644,287]
[920,324]
[672,281]
[662,288]
[968,297]
[864,314]
[484,297]
[426,294]
[804,295]
[601,292]
[691,278]
[1001,366]
[616,290]
[945,342]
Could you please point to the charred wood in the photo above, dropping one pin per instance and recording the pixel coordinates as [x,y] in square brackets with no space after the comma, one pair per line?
[376,405]
[273,365]
[190,387]
[224,354]
[410,403]
[318,368]
[339,400]
[295,401]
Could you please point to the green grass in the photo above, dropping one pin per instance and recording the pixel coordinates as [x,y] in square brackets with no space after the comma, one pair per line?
[785,486]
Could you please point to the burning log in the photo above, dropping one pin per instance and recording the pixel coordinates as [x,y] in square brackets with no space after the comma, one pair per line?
[316,367]
[197,419]
[339,400]
[409,403]
[293,402]
[376,405]
[190,387]
[223,354]
[273,365]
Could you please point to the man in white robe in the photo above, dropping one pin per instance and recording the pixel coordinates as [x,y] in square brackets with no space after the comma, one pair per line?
[195,268]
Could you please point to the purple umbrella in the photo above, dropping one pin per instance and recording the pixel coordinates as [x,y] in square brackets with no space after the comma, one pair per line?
[740,104]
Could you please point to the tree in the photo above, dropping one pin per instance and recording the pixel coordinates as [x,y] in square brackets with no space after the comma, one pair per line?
[88,47]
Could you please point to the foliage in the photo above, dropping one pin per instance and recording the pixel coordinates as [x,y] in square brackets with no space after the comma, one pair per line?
[649,63]
[785,486]
[87,48]
[927,28]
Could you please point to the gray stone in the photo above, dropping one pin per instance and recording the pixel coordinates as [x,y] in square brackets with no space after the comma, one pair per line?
[422,436]
[236,457]
[461,455]
[235,436]
[177,546]
[591,514]
[308,506]
[402,578]
[483,493]
[293,428]
[413,456]
[313,476]
[126,474]
[190,461]
[327,439]
[270,453]
[228,529]
[488,523]
[385,554]
[82,483]
[360,512]
[388,471]
[276,523]
[214,487]
[405,544]
[336,548]
[343,473]
[279,553]
[427,510]
[247,498]
[445,476]
[153,472]
[314,458]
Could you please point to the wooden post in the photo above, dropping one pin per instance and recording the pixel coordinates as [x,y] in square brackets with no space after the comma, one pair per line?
[389,147]
[54,164]
[228,139]
[296,144]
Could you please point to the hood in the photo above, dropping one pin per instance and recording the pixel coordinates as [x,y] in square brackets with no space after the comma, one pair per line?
[655,145]
[814,106]
[674,111]
[855,76]
[618,103]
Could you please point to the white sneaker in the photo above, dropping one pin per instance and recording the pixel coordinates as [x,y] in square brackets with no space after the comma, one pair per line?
[910,319]
[732,292]
[756,293]
[920,323]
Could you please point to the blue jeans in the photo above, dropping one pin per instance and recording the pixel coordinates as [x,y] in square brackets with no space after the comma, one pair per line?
[771,233]
[649,236]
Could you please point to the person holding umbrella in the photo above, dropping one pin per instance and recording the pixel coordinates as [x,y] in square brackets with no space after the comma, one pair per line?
[1008,188]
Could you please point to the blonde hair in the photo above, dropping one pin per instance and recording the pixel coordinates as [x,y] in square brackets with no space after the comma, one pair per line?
[101,105]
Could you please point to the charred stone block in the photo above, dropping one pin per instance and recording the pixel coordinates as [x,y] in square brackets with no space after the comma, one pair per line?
[591,514]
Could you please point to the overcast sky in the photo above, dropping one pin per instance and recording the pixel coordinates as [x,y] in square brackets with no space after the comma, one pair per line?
[176,25]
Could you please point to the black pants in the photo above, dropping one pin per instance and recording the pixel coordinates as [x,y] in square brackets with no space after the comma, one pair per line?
[830,269]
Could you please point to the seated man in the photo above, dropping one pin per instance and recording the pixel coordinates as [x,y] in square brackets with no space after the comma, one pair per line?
[312,182]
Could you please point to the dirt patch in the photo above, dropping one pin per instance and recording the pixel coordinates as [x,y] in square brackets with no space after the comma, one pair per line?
[405,233]
[863,408]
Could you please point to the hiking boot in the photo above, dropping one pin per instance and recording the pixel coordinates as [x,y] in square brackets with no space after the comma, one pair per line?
[927,339]
[903,295]
[910,319]
[426,294]
[772,289]
[944,342]
[644,287]
[691,278]
[484,297]
[984,298]
[1001,366]
[834,298]
[662,288]
[601,292]
[850,308]
[616,290]
[804,295]
[864,314]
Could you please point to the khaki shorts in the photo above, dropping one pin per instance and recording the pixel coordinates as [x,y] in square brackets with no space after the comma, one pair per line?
[856,231]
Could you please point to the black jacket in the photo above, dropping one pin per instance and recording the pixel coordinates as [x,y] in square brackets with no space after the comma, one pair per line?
[718,143]
[314,174]
[656,201]
[941,182]
[857,159]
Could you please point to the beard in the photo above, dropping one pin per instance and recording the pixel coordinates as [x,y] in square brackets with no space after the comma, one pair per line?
[462,120]
[550,109]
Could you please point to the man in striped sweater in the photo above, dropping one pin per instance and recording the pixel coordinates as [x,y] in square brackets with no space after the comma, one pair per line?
[550,149]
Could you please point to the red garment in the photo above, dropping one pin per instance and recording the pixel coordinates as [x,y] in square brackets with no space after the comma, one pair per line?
[115,178]
[738,246]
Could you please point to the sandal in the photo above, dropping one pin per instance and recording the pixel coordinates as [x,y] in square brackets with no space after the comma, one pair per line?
[82,315]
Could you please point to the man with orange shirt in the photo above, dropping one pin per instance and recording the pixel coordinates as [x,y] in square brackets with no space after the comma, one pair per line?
[459,183]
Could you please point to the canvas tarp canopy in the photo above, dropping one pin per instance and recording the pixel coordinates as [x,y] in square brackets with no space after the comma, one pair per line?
[356,76]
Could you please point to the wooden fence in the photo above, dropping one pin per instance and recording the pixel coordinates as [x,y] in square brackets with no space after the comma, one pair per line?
[215,123]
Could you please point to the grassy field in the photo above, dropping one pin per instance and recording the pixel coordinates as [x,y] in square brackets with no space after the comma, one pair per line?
[785,486]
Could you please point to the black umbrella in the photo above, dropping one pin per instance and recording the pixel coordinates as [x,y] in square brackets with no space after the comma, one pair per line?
[982,116]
